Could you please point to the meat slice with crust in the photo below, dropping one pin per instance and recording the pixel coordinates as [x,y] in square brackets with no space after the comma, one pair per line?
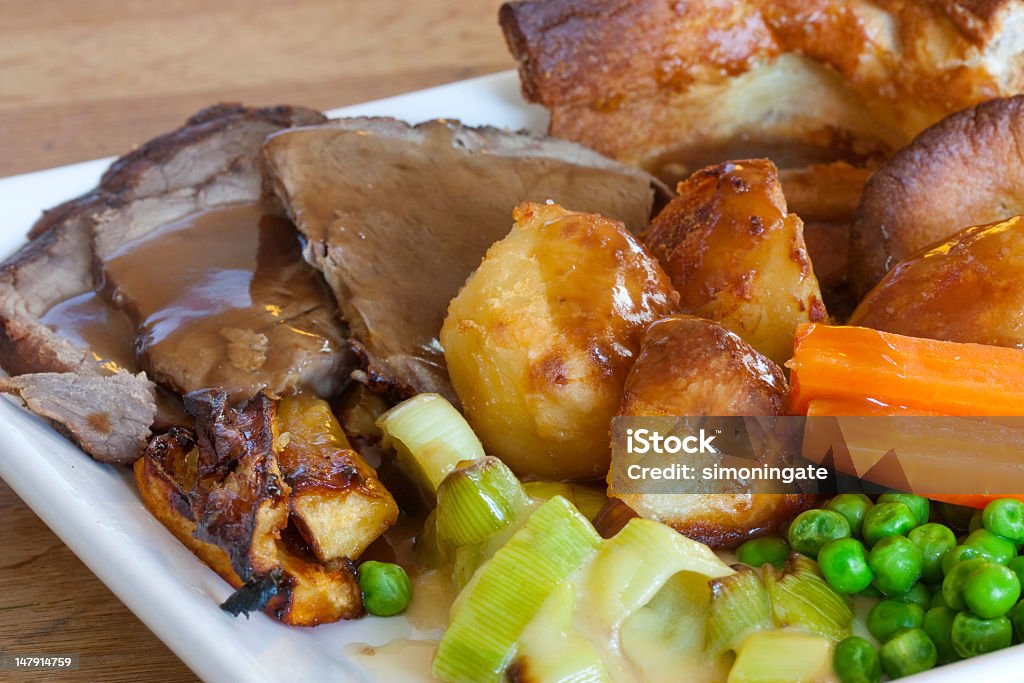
[107,416]
[398,216]
[210,161]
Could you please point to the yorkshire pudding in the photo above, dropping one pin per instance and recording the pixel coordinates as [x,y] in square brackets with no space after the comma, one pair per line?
[660,84]
[965,289]
[966,170]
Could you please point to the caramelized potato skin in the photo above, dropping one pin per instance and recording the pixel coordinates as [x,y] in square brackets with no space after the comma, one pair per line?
[737,257]
[541,338]
[966,289]
[692,366]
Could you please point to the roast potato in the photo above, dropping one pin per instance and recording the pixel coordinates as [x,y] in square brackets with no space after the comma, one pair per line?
[540,339]
[692,366]
[966,289]
[736,256]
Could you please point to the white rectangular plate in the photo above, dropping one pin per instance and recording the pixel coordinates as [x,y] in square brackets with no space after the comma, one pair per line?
[96,510]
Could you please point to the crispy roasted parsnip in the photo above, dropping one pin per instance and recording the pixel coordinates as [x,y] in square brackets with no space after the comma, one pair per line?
[736,256]
[229,495]
[693,366]
[965,289]
[540,339]
[337,503]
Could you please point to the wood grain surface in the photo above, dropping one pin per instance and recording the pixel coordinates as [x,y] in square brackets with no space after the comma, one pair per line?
[81,79]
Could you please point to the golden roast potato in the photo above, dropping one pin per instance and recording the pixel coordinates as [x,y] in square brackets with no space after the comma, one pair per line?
[968,288]
[736,256]
[540,339]
[693,366]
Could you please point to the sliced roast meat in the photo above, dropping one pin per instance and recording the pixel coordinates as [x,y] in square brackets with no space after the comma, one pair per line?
[51,321]
[108,416]
[398,217]
[219,292]
[223,298]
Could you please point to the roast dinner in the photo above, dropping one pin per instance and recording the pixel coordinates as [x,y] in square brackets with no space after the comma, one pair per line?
[353,361]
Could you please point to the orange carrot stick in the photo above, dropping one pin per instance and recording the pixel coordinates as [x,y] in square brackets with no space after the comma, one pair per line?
[856,364]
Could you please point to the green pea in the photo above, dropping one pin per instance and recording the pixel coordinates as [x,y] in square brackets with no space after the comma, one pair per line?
[1016,617]
[953,584]
[934,541]
[1005,517]
[938,624]
[852,506]
[386,588]
[1002,550]
[918,594]
[765,550]
[871,592]
[908,652]
[887,519]
[844,562]
[990,591]
[956,516]
[973,636]
[962,553]
[918,505]
[856,661]
[896,563]
[1017,566]
[977,521]
[812,529]
[890,616]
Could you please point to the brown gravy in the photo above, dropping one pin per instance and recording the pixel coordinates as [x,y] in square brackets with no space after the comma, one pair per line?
[89,322]
[224,298]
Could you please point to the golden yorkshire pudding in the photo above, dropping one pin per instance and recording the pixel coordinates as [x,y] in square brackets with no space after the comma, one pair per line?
[674,86]
[966,170]
[965,289]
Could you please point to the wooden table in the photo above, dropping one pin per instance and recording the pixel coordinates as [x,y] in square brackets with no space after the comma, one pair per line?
[81,79]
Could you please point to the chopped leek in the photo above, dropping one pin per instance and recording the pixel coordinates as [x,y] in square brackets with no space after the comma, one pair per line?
[631,567]
[667,635]
[428,546]
[739,607]
[550,650]
[783,657]
[587,500]
[476,501]
[801,598]
[430,437]
[492,611]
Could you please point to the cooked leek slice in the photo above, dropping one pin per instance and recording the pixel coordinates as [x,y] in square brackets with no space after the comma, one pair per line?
[802,599]
[587,500]
[631,567]
[430,437]
[664,639]
[550,650]
[783,657]
[477,500]
[428,546]
[490,614]
[739,607]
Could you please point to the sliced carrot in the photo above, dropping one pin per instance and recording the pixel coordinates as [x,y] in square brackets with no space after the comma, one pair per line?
[856,364]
